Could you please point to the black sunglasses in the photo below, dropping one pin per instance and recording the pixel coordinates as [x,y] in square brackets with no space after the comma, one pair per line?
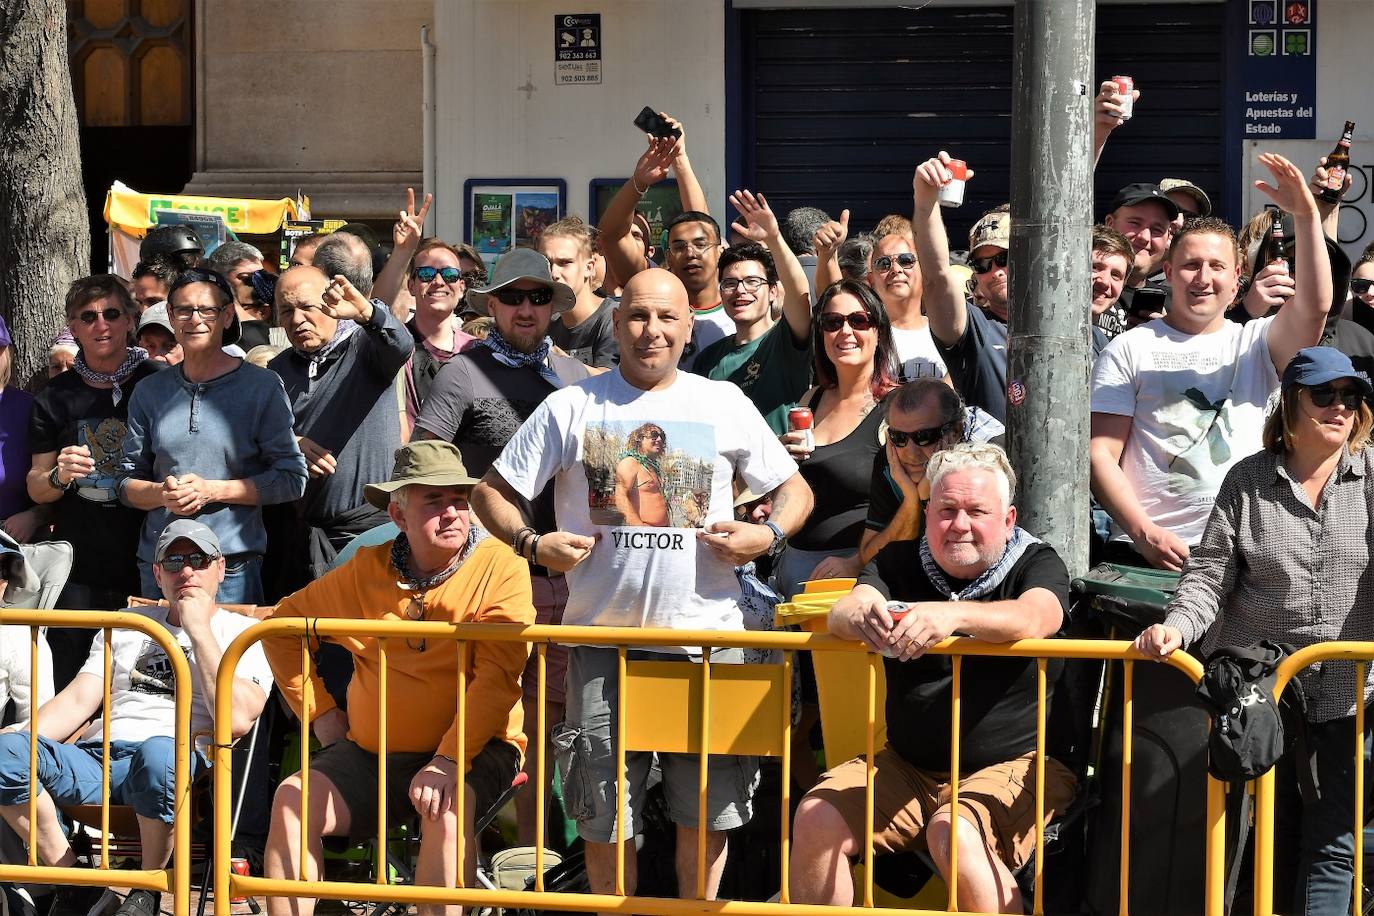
[922,437]
[1360,287]
[831,322]
[883,264]
[510,296]
[1325,396]
[174,563]
[111,314]
[451,275]
[983,265]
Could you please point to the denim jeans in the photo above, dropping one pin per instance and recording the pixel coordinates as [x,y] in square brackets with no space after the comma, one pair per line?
[1327,840]
[142,773]
[242,580]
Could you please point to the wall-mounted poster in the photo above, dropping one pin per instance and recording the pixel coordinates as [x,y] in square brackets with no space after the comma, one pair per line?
[659,205]
[500,213]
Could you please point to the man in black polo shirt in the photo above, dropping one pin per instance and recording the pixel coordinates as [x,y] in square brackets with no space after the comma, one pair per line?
[478,401]
[1145,215]
[975,573]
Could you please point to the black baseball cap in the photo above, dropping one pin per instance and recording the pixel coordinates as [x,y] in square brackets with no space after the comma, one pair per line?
[1141,192]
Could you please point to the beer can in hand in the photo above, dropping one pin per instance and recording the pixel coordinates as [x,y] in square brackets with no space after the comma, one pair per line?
[1125,87]
[952,192]
[799,419]
[896,610]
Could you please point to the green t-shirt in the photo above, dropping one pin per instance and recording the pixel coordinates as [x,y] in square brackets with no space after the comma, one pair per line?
[772,371]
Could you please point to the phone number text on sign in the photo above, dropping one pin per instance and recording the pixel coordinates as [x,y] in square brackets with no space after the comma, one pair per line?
[580,71]
[577,48]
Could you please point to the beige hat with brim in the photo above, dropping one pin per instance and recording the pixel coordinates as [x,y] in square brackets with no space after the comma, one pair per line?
[428,462]
[523,264]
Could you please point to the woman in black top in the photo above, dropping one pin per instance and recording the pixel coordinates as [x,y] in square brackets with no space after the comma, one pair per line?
[855,366]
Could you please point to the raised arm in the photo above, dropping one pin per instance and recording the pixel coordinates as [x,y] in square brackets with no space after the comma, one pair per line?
[1303,318]
[827,242]
[623,256]
[688,188]
[942,296]
[761,225]
[1107,115]
[405,236]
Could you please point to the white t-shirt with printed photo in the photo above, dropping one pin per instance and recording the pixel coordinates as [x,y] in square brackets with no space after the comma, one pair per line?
[143,687]
[643,472]
[1197,403]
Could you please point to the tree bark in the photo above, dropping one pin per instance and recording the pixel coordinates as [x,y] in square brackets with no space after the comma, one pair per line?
[45,239]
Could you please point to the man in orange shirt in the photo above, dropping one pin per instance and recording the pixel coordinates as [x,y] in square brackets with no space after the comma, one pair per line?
[428,573]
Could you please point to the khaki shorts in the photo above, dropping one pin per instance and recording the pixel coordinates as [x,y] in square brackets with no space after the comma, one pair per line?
[1000,799]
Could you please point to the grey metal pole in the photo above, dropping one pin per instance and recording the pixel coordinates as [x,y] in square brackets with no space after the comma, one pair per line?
[1048,355]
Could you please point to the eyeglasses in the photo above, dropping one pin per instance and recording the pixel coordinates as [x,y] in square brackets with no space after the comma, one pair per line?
[450,275]
[1360,287]
[510,296]
[922,437]
[698,245]
[176,562]
[750,284]
[110,314]
[983,265]
[831,322]
[905,261]
[1325,396]
[204,312]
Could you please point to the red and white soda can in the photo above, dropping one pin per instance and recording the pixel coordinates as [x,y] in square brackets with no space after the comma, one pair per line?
[1125,87]
[799,419]
[952,192]
[239,867]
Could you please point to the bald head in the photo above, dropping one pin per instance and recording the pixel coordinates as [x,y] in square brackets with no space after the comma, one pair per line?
[652,325]
[299,291]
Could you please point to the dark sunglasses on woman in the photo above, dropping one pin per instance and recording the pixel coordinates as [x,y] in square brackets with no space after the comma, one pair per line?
[1325,396]
[831,322]
[110,315]
[1360,287]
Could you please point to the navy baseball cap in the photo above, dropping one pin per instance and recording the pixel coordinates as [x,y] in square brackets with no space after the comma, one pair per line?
[1140,193]
[1313,366]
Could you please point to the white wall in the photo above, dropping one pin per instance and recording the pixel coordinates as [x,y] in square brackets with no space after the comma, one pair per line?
[501,116]
[1343,30]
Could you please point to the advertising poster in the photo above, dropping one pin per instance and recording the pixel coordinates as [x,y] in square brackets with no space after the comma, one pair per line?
[658,206]
[208,227]
[533,212]
[492,223]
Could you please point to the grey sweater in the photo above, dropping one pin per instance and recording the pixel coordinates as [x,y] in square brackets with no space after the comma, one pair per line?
[235,427]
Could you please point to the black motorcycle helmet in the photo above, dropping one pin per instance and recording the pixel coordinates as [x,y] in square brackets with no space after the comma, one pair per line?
[177,241]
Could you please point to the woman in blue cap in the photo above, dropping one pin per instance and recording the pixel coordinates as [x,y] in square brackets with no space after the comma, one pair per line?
[1285,556]
[18,517]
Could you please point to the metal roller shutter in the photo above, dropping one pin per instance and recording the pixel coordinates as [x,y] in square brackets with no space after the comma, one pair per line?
[841,104]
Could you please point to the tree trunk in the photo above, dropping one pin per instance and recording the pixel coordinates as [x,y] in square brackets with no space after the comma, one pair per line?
[45,239]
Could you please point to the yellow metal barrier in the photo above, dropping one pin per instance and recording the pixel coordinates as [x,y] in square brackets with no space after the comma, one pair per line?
[1361,653]
[175,880]
[708,726]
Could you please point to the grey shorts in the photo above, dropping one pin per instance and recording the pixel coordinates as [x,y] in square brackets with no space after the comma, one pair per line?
[586,749]
[353,771]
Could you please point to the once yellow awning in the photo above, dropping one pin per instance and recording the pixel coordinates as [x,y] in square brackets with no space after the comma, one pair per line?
[136,213]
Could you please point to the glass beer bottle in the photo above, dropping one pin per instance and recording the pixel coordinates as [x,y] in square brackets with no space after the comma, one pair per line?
[1337,162]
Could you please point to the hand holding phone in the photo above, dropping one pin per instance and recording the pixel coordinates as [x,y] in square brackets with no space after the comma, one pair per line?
[653,123]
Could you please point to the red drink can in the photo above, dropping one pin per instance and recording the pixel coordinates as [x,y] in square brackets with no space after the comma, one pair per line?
[952,192]
[799,419]
[239,866]
[1124,88]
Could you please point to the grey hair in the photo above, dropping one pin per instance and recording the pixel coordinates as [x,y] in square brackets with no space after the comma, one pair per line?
[853,256]
[399,496]
[800,226]
[344,253]
[223,258]
[975,456]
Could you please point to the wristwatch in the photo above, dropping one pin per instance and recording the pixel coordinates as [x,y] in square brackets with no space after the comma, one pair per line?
[778,538]
[58,484]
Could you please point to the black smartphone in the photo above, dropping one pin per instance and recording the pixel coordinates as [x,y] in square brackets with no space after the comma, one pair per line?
[651,122]
[1147,302]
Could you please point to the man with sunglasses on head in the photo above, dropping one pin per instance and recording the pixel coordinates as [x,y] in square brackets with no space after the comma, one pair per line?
[189,567]
[76,431]
[481,398]
[212,439]
[340,377]
[769,360]
[971,339]
[430,571]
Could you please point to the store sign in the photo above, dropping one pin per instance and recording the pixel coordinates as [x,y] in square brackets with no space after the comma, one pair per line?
[576,49]
[1277,95]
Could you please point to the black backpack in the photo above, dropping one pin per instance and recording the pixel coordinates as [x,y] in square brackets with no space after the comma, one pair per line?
[1249,731]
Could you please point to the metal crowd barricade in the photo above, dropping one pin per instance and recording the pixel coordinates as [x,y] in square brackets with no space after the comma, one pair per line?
[174,880]
[733,721]
[1361,654]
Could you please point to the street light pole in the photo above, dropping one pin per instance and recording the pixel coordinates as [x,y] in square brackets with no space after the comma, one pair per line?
[1048,359]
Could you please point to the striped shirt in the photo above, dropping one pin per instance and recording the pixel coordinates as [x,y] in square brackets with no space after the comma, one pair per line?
[1272,566]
